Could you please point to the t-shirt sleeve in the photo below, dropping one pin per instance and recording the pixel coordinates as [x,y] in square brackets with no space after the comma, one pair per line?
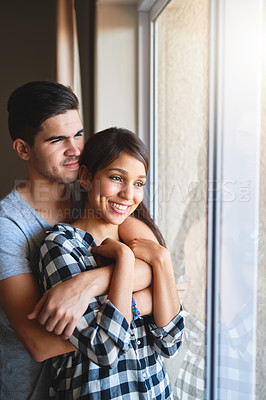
[14,250]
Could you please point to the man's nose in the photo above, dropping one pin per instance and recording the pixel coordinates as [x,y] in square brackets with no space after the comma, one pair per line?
[72,148]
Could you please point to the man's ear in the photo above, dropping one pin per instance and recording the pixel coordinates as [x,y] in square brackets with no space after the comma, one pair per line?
[22,149]
[84,177]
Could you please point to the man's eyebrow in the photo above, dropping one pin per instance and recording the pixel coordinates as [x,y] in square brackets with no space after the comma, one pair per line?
[123,171]
[57,137]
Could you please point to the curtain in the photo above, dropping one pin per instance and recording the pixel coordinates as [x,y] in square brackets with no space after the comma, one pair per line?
[67,52]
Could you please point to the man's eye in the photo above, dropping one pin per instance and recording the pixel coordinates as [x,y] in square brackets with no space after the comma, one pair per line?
[57,140]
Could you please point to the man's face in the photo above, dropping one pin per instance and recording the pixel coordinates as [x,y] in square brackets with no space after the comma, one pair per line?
[57,148]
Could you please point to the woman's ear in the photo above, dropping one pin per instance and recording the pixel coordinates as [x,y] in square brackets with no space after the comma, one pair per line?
[84,177]
[22,149]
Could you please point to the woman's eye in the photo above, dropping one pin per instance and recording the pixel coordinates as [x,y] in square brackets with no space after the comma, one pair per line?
[116,178]
[140,184]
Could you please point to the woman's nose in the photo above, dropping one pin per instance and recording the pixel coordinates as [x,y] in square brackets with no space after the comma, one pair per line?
[127,192]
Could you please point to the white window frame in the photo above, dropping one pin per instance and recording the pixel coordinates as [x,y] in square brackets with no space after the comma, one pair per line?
[148,11]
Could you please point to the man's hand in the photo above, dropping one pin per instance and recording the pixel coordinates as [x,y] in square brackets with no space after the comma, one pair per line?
[61,307]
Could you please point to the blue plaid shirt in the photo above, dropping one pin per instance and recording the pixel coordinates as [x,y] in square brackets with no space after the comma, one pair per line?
[113,360]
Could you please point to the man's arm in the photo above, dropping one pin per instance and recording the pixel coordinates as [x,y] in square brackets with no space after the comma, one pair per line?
[143,299]
[18,294]
[61,307]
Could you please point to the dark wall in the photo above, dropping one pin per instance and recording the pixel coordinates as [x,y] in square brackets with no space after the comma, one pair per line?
[27,53]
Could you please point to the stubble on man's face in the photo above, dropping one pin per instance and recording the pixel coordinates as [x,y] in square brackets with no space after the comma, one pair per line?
[54,173]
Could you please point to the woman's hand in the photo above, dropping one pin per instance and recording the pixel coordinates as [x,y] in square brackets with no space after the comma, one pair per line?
[150,251]
[112,249]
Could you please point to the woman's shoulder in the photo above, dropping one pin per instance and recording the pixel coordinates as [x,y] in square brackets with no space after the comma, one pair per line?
[63,232]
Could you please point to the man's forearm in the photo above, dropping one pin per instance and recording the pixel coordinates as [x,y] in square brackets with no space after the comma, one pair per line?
[96,282]
[61,307]
[143,275]
[143,299]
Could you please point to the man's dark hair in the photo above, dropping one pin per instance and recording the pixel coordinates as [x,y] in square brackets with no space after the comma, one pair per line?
[34,102]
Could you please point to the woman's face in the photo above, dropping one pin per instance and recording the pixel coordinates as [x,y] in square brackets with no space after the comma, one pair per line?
[117,190]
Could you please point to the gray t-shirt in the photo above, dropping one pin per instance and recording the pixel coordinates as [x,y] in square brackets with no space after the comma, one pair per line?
[22,230]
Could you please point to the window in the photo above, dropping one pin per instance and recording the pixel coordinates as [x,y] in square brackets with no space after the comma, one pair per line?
[180,131]
[204,107]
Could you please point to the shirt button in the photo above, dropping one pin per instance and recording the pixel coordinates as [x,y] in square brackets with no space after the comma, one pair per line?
[138,342]
[144,374]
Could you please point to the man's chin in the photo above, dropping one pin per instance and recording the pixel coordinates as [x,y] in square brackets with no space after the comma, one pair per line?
[66,180]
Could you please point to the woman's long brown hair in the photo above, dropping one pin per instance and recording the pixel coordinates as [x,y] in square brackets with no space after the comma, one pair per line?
[104,147]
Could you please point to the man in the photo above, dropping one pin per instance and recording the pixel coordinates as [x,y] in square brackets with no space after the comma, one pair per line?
[47,134]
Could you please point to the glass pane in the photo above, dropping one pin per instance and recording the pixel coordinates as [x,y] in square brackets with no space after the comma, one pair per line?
[261,299]
[239,131]
[181,120]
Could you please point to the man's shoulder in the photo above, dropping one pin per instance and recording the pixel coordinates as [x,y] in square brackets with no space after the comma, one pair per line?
[11,200]
[16,213]
[13,207]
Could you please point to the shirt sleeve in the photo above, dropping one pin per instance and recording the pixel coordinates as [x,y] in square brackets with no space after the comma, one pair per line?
[14,250]
[103,333]
[168,339]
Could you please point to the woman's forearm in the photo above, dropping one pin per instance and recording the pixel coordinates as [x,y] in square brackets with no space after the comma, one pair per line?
[121,287]
[166,303]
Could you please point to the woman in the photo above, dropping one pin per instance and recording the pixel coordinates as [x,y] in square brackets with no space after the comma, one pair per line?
[119,352]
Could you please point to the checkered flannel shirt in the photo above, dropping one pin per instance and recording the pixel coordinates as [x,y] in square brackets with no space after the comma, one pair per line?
[113,360]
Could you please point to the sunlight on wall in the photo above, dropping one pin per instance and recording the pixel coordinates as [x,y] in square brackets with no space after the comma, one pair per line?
[116,67]
[182,123]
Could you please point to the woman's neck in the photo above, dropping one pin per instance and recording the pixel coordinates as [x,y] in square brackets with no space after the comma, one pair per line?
[98,228]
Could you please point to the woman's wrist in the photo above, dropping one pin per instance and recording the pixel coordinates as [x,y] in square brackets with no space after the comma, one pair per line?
[160,258]
[124,252]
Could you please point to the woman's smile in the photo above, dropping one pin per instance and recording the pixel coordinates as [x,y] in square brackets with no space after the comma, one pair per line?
[118,189]
[119,208]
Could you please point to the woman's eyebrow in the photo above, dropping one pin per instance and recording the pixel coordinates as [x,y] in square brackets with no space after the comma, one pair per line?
[123,171]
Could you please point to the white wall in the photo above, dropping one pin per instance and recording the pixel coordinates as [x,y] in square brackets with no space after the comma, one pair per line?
[116,65]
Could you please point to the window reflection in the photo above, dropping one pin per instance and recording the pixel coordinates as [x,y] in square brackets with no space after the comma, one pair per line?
[181,188]
[261,299]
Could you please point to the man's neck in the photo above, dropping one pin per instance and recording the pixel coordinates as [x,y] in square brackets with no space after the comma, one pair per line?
[50,199]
